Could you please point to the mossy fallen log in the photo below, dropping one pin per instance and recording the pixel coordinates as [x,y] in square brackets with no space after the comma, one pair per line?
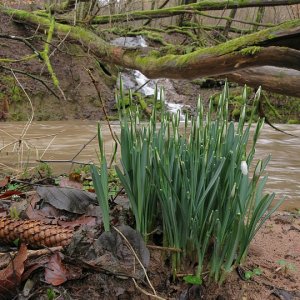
[265,47]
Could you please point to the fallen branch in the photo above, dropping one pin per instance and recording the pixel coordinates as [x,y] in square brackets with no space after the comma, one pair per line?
[268,78]
[164,248]
[206,5]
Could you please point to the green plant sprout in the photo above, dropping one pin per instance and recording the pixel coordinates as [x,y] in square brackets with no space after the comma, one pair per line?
[44,170]
[192,279]
[286,266]
[87,185]
[250,274]
[100,181]
[51,294]
[14,213]
[13,186]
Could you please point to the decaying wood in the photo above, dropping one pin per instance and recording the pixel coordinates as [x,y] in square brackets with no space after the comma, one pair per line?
[277,80]
[34,232]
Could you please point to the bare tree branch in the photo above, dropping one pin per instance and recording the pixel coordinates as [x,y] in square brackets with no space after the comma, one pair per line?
[31,76]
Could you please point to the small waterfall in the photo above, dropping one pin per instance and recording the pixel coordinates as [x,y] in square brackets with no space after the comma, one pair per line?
[135,80]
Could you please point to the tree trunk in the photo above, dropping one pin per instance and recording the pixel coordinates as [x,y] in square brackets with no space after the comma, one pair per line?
[259,17]
[229,22]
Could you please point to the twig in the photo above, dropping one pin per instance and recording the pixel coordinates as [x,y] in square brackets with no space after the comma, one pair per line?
[19,143]
[8,167]
[23,40]
[17,140]
[160,7]
[31,106]
[26,127]
[57,47]
[145,292]
[72,160]
[62,161]
[164,248]
[82,148]
[233,20]
[102,104]
[137,258]
[48,147]
[140,87]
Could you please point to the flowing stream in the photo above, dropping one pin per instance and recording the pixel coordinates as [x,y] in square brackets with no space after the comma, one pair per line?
[63,140]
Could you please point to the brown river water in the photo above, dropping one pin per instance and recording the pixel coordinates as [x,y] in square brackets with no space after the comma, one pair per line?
[62,140]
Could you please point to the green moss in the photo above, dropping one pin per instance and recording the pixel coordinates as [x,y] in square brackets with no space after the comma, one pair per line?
[155,53]
[250,50]
[236,113]
[281,108]
[12,90]
[124,102]
[18,116]
[293,121]
[114,117]
[142,102]
[45,56]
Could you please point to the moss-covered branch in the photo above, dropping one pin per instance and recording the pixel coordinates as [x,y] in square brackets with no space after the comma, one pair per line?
[12,60]
[45,53]
[204,5]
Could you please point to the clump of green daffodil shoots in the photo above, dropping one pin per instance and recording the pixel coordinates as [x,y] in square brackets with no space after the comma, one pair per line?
[193,179]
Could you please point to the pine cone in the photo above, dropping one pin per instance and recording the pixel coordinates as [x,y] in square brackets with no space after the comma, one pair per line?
[34,233]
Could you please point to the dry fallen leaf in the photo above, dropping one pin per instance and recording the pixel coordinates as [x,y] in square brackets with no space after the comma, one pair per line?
[83,220]
[66,182]
[55,272]
[10,277]
[4,181]
[69,199]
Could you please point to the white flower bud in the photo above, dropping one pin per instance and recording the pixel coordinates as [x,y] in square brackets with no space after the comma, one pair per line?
[244,167]
[176,136]
[233,191]
[198,123]
[258,169]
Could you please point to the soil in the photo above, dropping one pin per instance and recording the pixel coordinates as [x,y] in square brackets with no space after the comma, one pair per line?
[275,251]
[100,265]
[79,99]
